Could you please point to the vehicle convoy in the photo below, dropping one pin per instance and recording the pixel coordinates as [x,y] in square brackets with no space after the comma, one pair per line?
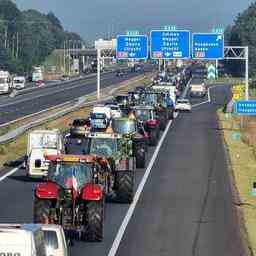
[40,144]
[197,89]
[72,196]
[22,240]
[147,115]
[5,82]
[130,129]
[18,82]
[120,173]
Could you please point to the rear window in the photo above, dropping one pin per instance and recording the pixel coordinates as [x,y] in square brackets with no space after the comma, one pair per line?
[80,122]
[51,239]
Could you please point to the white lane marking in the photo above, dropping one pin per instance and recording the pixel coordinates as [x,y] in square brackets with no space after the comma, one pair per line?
[209,96]
[201,103]
[131,209]
[9,173]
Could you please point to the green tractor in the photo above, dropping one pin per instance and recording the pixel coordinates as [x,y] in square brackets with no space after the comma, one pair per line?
[157,100]
[134,131]
[118,151]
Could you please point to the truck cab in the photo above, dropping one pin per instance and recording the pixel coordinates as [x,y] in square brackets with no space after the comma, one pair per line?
[40,144]
[22,240]
[5,82]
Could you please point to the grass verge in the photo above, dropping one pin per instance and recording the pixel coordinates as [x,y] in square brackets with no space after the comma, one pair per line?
[243,162]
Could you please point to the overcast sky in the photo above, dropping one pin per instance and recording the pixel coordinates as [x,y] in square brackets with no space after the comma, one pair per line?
[99,18]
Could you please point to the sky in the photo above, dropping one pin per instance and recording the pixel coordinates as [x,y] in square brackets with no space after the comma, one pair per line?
[101,18]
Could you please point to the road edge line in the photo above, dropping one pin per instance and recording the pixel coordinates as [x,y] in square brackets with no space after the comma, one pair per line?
[129,213]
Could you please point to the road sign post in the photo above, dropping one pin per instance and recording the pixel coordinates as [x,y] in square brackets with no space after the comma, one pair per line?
[132,47]
[208,46]
[170,44]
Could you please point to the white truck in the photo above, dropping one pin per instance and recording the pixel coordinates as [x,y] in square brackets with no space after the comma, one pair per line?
[197,89]
[22,240]
[40,144]
[18,82]
[5,82]
[37,74]
[32,240]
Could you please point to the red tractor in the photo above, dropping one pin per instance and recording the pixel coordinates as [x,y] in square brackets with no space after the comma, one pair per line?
[73,195]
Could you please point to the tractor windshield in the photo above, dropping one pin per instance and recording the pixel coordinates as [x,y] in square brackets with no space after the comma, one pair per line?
[103,146]
[123,126]
[150,99]
[143,114]
[70,175]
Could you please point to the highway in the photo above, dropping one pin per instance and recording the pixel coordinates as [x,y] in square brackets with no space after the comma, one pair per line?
[185,208]
[35,100]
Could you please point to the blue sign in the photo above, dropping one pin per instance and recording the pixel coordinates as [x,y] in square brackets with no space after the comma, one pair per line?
[172,44]
[209,46]
[132,47]
[246,107]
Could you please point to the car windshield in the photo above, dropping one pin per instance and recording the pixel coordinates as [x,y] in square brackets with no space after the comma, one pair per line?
[70,174]
[183,101]
[105,147]
[50,240]
[123,126]
[143,114]
[43,140]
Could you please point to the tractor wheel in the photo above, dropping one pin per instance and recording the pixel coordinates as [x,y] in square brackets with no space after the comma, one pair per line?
[140,155]
[153,138]
[124,186]
[93,221]
[42,211]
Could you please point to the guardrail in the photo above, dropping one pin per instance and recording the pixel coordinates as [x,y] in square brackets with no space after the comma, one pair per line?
[68,107]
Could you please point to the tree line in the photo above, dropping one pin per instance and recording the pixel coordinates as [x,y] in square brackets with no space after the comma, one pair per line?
[28,37]
[243,33]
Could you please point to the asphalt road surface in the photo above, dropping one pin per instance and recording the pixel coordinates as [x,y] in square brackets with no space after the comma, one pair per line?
[30,102]
[185,208]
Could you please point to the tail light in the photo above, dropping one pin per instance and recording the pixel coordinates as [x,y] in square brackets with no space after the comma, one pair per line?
[92,192]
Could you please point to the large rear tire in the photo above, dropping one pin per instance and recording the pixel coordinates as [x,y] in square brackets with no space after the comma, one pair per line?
[93,221]
[163,121]
[124,185]
[42,211]
[140,155]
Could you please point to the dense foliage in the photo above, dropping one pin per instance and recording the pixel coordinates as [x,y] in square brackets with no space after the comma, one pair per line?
[28,37]
[243,33]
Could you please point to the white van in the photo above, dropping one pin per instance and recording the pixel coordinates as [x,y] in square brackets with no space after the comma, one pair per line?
[21,240]
[40,144]
[55,241]
[18,82]
[101,109]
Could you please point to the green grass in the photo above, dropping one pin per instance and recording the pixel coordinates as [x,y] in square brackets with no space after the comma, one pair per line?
[243,163]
